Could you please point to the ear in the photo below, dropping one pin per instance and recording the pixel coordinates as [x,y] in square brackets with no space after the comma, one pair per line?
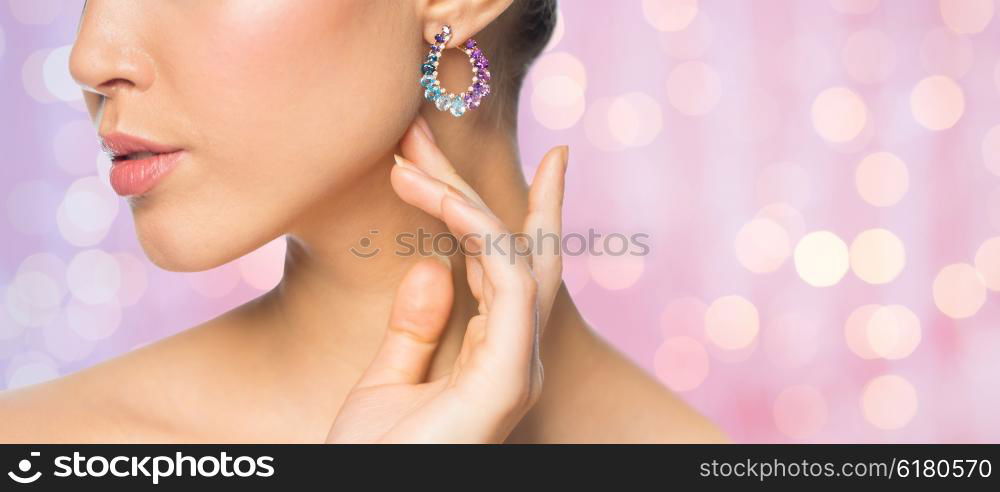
[466,17]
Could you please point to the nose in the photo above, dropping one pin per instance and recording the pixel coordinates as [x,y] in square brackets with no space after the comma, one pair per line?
[108,56]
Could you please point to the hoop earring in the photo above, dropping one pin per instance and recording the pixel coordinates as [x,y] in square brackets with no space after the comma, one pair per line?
[443,100]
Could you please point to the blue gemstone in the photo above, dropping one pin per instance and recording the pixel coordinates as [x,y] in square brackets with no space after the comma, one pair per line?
[427,68]
[427,80]
[457,107]
[443,102]
[432,93]
[431,58]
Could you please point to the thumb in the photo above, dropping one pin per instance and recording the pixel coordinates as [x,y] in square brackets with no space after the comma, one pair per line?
[416,323]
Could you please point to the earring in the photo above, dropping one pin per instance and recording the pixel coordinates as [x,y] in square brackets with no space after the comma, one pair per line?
[457,104]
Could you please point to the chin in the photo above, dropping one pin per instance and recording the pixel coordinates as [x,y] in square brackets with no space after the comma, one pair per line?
[181,246]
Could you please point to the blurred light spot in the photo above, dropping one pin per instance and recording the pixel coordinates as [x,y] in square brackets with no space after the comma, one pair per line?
[50,265]
[693,88]
[32,206]
[557,102]
[869,56]
[596,125]
[762,245]
[31,373]
[3,42]
[988,262]
[263,269]
[821,258]
[65,344]
[87,212]
[856,331]
[784,182]
[73,144]
[93,321]
[889,402]
[35,12]
[93,276]
[32,76]
[634,119]
[681,363]
[55,72]
[839,114]
[33,298]
[945,53]
[893,332]
[615,272]
[877,256]
[937,102]
[731,323]
[959,290]
[800,411]
[669,15]
[991,150]
[215,283]
[133,275]
[854,6]
[787,216]
[684,315]
[882,179]
[791,340]
[966,16]
[691,42]
[557,98]
[559,63]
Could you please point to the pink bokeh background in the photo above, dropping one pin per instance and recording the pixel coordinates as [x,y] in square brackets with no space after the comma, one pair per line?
[819,180]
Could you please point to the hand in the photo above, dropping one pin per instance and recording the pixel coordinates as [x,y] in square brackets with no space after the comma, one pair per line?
[497,376]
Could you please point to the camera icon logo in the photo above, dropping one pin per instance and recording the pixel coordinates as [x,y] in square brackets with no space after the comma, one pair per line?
[25,466]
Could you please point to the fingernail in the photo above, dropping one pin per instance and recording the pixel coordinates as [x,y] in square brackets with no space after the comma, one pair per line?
[426,128]
[405,164]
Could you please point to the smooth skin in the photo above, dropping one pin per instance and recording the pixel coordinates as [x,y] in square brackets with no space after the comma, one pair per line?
[265,99]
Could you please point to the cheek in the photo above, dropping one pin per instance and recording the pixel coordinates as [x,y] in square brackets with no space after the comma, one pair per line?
[287,101]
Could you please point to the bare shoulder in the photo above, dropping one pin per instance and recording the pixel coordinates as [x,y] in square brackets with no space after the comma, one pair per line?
[644,410]
[594,394]
[122,399]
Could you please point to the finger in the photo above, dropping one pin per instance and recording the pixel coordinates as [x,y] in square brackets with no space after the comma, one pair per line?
[418,146]
[512,323]
[544,224]
[416,323]
[416,187]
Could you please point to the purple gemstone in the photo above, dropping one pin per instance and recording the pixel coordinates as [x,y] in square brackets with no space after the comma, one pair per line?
[477,54]
[472,100]
[470,44]
[439,38]
[482,63]
[435,48]
[484,75]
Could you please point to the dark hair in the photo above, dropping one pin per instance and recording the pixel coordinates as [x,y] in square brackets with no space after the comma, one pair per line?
[515,40]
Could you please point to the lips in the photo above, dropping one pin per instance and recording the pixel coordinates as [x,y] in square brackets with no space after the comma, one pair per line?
[138,165]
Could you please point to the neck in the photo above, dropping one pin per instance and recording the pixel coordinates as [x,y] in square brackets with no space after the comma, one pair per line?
[335,300]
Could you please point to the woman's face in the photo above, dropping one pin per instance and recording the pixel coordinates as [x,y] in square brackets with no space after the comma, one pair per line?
[273,105]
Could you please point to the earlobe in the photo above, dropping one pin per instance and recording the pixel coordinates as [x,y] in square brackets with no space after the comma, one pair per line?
[466,17]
